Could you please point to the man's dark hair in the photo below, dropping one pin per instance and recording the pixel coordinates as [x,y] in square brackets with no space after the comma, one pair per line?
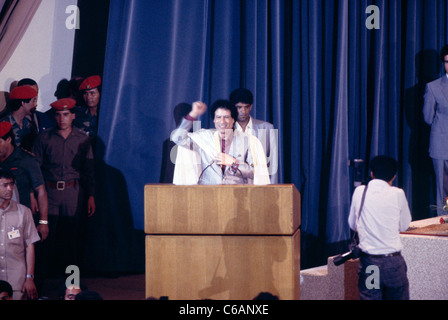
[241,95]
[6,174]
[88,295]
[26,82]
[6,287]
[62,89]
[266,296]
[383,167]
[63,288]
[444,52]
[15,104]
[224,104]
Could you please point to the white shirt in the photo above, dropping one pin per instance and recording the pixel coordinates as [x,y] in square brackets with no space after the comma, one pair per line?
[385,214]
[249,129]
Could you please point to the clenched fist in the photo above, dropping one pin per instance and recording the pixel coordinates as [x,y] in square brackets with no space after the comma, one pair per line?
[198,109]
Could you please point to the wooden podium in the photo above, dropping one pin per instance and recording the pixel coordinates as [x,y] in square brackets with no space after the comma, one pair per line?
[224,242]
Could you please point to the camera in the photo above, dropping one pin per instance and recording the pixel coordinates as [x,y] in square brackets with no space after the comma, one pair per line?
[354,253]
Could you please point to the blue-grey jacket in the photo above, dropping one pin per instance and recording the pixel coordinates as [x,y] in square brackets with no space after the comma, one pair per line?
[435,113]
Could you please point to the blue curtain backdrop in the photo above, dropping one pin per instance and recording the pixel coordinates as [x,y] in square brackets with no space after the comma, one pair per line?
[335,89]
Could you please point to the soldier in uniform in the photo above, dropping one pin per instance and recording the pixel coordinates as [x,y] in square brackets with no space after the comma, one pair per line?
[87,115]
[27,174]
[22,104]
[66,159]
[41,120]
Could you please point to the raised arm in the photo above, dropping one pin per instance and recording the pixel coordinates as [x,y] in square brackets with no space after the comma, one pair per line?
[180,135]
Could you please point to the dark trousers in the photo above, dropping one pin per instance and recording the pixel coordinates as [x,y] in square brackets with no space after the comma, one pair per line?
[62,246]
[440,167]
[392,278]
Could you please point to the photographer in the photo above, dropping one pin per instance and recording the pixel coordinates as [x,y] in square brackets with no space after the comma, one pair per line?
[384,215]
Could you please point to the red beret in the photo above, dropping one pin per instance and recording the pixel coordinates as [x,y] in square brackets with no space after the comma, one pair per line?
[5,127]
[90,83]
[63,104]
[23,92]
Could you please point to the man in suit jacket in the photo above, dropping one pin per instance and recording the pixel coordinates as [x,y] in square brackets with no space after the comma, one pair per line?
[435,113]
[264,131]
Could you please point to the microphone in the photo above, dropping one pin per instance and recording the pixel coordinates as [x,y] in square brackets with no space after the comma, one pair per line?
[202,172]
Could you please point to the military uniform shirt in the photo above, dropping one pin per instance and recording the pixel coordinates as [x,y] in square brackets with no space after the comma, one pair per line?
[27,172]
[86,122]
[28,129]
[66,159]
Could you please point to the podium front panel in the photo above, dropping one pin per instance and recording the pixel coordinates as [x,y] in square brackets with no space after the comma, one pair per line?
[222,242]
[222,209]
[222,267]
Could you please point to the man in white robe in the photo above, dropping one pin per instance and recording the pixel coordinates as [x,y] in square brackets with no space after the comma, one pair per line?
[217,156]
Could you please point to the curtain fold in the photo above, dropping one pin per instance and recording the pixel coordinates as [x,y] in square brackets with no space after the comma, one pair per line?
[16,17]
[338,202]
[335,89]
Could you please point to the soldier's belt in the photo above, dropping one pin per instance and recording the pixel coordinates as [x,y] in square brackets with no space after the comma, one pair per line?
[61,185]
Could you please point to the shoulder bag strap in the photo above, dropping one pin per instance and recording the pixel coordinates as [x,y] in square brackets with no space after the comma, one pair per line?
[360,209]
